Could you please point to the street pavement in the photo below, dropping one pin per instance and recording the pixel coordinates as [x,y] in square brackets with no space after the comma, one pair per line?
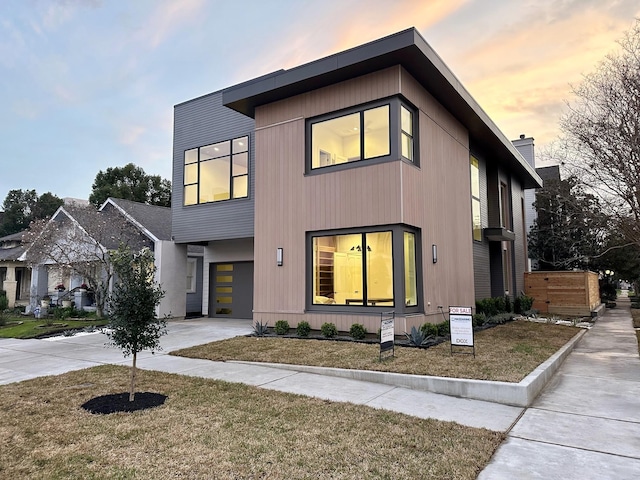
[585,424]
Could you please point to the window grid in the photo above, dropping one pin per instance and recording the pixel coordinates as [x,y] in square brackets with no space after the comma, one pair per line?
[217,172]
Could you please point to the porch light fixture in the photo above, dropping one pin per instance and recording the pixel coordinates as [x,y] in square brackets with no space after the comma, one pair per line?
[434,253]
[279,255]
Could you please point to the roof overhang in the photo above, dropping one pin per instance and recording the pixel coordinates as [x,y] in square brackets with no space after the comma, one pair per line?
[499,234]
[406,48]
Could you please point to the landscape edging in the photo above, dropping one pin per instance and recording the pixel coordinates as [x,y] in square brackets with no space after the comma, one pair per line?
[520,394]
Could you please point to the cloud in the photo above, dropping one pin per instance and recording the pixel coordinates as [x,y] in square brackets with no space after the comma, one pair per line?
[131,134]
[170,17]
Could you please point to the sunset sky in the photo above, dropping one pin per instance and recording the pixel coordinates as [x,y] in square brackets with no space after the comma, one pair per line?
[89,84]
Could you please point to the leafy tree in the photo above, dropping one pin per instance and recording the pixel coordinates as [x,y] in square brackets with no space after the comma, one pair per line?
[132,306]
[83,247]
[21,207]
[600,142]
[130,183]
[569,229]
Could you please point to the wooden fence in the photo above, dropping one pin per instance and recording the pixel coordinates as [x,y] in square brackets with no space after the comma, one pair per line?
[563,293]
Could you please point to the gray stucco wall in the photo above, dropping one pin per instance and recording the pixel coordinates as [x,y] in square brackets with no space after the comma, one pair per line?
[198,122]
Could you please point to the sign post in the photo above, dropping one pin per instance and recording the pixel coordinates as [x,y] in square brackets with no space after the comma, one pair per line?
[461,328]
[387,333]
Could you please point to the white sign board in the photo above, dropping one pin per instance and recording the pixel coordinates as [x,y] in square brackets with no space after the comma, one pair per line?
[387,331]
[461,326]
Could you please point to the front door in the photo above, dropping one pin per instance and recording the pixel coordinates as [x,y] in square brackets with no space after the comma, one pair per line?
[231,290]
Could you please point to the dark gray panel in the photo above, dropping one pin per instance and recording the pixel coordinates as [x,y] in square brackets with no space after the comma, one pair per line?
[481,268]
[517,195]
[241,294]
[199,122]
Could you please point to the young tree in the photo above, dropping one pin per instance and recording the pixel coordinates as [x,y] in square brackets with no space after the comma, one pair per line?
[132,306]
[601,134]
[83,246]
[130,183]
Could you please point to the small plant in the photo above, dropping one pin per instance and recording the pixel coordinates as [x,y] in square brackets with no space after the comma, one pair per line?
[62,313]
[522,304]
[417,337]
[329,330]
[479,319]
[500,318]
[443,329]
[282,327]
[4,304]
[358,331]
[508,304]
[68,333]
[429,329]
[303,329]
[260,329]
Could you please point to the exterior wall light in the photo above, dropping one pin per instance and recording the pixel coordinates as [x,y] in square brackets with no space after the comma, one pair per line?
[434,253]
[279,255]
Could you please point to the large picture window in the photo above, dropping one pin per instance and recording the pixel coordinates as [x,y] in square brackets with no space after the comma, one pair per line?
[365,269]
[217,172]
[378,133]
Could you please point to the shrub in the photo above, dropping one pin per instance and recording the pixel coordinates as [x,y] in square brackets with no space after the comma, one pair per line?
[429,329]
[479,319]
[522,304]
[282,327]
[303,329]
[260,329]
[443,328]
[4,304]
[357,331]
[508,305]
[329,330]
[500,303]
[417,337]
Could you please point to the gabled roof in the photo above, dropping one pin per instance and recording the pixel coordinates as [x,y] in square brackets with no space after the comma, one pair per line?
[11,253]
[406,48]
[153,221]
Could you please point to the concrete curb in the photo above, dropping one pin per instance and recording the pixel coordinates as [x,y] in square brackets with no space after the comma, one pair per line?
[520,394]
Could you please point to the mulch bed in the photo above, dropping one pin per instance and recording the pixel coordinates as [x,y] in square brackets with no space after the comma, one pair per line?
[119,402]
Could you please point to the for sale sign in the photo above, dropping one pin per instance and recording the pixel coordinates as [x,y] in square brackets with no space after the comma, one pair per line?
[461,327]
[387,333]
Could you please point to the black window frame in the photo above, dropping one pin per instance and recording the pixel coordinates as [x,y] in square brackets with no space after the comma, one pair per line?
[397,255]
[395,134]
[199,161]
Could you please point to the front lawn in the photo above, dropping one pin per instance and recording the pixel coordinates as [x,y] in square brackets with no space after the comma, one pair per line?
[213,429]
[29,327]
[506,353]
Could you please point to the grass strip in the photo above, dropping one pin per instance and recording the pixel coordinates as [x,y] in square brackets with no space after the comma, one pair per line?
[504,353]
[213,429]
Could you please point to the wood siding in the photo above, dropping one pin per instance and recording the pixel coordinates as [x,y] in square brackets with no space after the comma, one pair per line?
[563,293]
[433,197]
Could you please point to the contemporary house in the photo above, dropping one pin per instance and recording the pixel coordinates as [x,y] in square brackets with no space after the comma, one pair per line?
[360,183]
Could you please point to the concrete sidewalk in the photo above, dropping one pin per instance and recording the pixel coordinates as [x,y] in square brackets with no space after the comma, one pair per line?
[586,423]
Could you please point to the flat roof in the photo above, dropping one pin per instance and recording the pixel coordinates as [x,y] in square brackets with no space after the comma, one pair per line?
[406,48]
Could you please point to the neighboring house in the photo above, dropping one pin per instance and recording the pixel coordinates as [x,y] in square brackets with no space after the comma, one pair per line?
[15,277]
[154,225]
[364,182]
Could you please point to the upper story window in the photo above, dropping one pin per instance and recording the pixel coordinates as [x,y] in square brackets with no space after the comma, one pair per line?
[379,132]
[217,172]
[406,127]
[475,200]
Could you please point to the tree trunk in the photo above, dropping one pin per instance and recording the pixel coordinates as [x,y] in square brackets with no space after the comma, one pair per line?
[132,390]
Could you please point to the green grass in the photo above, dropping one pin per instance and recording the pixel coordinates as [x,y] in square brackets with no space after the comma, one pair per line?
[34,328]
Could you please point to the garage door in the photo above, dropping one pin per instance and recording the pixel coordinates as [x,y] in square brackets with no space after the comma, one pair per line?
[231,290]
